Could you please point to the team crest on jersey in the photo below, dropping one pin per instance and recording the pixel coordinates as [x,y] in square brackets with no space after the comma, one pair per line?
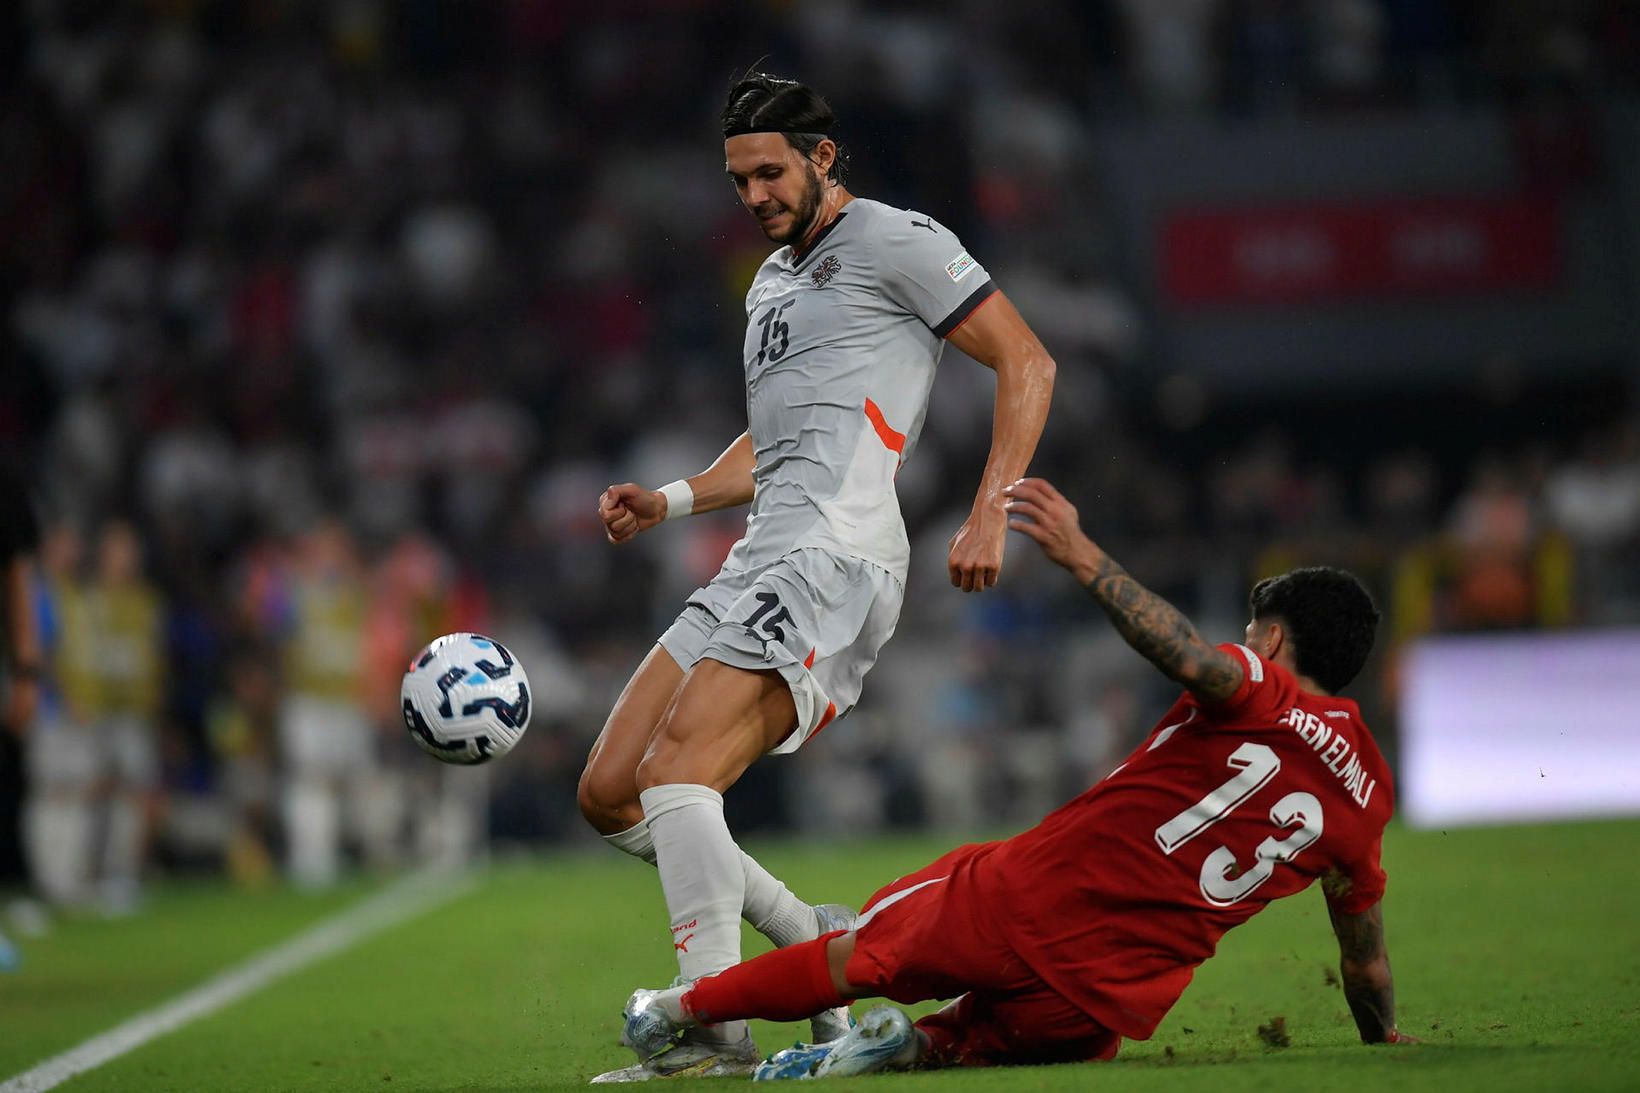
[828,268]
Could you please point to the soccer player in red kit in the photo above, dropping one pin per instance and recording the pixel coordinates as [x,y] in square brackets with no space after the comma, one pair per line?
[1060,941]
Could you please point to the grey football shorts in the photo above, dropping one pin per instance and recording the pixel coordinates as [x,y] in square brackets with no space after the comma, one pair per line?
[816,617]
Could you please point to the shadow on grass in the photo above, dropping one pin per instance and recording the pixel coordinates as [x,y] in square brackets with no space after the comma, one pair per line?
[1246,1068]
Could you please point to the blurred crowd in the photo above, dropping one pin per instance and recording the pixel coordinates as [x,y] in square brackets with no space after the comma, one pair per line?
[327,323]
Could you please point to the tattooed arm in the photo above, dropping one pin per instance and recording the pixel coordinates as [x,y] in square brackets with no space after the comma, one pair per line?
[1364,965]
[1154,627]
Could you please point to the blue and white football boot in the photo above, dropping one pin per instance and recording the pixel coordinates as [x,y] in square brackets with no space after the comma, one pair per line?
[884,1039]
[797,1061]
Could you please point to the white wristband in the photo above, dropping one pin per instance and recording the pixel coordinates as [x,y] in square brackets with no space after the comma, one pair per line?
[680,499]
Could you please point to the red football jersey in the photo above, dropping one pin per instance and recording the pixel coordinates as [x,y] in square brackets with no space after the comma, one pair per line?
[1116,897]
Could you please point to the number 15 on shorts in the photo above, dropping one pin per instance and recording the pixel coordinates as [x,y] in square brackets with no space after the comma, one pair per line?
[769,624]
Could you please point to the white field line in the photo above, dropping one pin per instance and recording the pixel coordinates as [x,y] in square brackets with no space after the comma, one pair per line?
[416,894]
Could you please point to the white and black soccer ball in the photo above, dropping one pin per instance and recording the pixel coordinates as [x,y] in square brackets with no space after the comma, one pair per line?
[466,700]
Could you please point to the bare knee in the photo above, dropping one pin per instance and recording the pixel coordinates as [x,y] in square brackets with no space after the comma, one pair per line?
[608,800]
[661,763]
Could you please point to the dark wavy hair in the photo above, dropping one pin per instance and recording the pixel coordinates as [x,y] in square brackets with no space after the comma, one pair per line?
[761,102]
[1329,616]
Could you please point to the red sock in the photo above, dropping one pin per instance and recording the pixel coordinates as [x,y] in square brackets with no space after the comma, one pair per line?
[785,985]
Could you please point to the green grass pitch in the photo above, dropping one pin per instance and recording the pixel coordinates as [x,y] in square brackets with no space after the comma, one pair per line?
[1516,953]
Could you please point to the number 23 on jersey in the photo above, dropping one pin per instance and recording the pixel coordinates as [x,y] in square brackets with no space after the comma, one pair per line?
[1224,880]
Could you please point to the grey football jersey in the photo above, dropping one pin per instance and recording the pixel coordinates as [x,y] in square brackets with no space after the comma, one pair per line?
[841,347]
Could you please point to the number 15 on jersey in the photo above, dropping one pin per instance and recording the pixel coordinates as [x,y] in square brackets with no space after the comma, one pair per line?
[776,333]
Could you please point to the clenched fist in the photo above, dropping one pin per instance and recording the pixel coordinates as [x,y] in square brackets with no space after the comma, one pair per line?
[628,509]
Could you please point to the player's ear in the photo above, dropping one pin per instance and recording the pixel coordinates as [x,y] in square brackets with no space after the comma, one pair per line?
[823,156]
[1275,636]
[1265,637]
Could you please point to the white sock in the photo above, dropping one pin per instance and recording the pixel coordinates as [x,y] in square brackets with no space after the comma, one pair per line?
[671,1004]
[772,909]
[704,882]
[635,840]
[769,905]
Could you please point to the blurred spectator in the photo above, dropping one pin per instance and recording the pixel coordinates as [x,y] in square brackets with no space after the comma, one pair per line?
[1595,500]
[313,605]
[1401,496]
[128,617]
[96,756]
[95,759]
[418,593]
[1596,497]
[1492,529]
[62,752]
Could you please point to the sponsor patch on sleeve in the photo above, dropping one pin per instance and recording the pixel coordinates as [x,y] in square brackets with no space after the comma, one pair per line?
[961,266]
[1255,666]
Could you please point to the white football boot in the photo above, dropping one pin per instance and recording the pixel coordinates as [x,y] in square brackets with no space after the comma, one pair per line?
[884,1039]
[665,1050]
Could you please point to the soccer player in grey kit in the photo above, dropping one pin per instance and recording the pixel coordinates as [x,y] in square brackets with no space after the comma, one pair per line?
[846,323]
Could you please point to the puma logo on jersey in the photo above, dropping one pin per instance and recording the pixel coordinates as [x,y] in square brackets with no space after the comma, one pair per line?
[682,946]
[929,224]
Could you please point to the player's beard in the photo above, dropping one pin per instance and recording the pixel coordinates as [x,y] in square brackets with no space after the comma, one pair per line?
[806,213]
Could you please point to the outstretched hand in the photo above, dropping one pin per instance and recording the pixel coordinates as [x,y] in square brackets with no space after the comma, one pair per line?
[628,509]
[1038,510]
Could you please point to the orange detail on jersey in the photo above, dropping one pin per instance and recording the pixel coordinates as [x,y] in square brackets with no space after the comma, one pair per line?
[893,441]
[808,662]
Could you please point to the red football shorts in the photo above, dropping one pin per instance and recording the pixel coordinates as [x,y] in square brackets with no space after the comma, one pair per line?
[920,938]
